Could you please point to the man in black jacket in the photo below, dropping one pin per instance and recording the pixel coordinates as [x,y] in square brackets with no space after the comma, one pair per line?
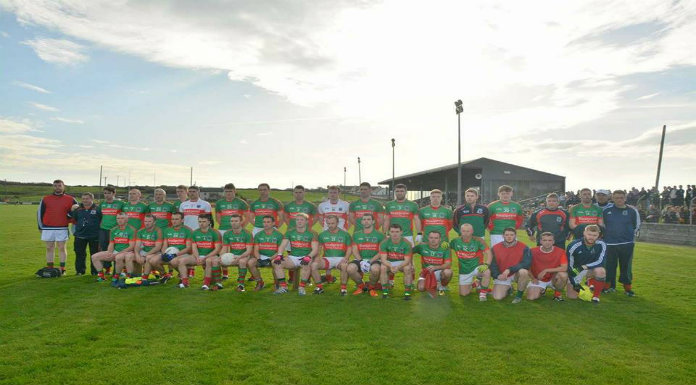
[87,217]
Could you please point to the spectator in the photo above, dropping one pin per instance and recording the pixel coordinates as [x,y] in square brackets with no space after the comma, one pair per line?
[679,200]
[653,214]
[673,195]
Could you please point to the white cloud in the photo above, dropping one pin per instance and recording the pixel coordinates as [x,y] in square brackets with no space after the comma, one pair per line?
[58,51]
[44,107]
[264,133]
[243,141]
[8,126]
[32,87]
[4,34]
[66,120]
[649,96]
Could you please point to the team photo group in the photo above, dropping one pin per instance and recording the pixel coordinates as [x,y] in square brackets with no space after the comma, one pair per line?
[133,243]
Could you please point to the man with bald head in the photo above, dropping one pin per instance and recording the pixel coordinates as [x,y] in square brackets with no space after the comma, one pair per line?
[474,258]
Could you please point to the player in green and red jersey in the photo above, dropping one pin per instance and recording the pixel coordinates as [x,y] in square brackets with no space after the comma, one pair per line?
[474,259]
[121,243]
[365,205]
[148,244]
[182,196]
[436,217]
[299,205]
[228,206]
[585,213]
[395,255]
[435,259]
[135,209]
[335,253]
[178,236]
[404,213]
[366,251]
[161,209]
[504,213]
[266,243]
[302,245]
[265,206]
[206,243]
[109,208]
[239,244]
[224,209]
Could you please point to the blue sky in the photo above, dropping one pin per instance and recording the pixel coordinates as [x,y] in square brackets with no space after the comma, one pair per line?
[291,92]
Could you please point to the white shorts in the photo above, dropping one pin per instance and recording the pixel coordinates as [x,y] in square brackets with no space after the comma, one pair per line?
[331,262]
[507,282]
[495,239]
[57,235]
[396,263]
[296,260]
[468,279]
[541,284]
[438,275]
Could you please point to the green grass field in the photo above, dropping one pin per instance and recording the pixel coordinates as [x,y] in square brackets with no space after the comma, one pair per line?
[73,330]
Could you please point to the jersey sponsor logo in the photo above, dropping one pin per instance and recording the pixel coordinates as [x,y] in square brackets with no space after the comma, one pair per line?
[587,220]
[110,211]
[466,254]
[162,214]
[228,212]
[134,214]
[436,222]
[121,240]
[433,260]
[368,246]
[268,246]
[176,241]
[148,242]
[205,244]
[335,245]
[506,216]
[300,244]
[394,255]
[401,214]
[188,212]
[237,245]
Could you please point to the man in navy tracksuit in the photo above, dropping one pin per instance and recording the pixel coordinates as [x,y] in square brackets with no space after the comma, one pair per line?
[621,223]
[87,217]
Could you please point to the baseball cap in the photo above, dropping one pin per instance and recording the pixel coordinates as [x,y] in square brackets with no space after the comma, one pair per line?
[604,191]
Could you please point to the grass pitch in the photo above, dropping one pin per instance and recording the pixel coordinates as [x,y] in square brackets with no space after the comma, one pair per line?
[74,330]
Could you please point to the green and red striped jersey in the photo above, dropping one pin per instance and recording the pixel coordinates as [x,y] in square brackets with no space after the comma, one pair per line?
[300,242]
[136,213]
[436,219]
[206,241]
[360,208]
[504,215]
[237,242]
[162,213]
[260,209]
[368,243]
[228,208]
[395,251]
[293,208]
[268,243]
[469,253]
[122,236]
[432,256]
[177,237]
[334,244]
[402,213]
[149,238]
[109,212]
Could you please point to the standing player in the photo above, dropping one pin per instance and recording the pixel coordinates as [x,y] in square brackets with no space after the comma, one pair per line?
[474,261]
[179,237]
[110,208]
[148,245]
[300,206]
[366,251]
[161,209]
[511,262]
[263,207]
[585,213]
[334,206]
[335,253]
[472,213]
[182,196]
[224,209]
[404,213]
[622,221]
[551,219]
[435,259]
[206,244]
[135,209]
[549,268]
[193,208]
[395,255]
[585,261]
[365,205]
[240,244]
[302,246]
[504,214]
[436,217]
[52,217]
[266,243]
[121,243]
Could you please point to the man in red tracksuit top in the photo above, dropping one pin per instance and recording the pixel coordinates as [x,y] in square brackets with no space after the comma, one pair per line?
[53,221]
[511,262]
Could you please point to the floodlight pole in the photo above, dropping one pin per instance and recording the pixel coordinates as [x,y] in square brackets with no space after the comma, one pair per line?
[659,162]
[393,159]
[359,174]
[459,109]
[101,169]
[345,169]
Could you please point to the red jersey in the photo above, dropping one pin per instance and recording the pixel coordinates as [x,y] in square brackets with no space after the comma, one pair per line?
[513,258]
[53,211]
[542,260]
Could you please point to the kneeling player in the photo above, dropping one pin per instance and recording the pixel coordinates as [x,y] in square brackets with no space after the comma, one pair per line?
[304,246]
[335,253]
[436,260]
[585,259]
[549,266]
[395,255]
[366,253]
[511,262]
[121,243]
[266,243]
[206,244]
[237,246]
[148,245]
[474,258]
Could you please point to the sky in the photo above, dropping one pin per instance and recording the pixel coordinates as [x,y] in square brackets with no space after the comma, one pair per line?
[291,92]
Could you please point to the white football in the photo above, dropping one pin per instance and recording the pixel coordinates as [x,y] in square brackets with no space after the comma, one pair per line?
[171,250]
[365,266]
[227,258]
